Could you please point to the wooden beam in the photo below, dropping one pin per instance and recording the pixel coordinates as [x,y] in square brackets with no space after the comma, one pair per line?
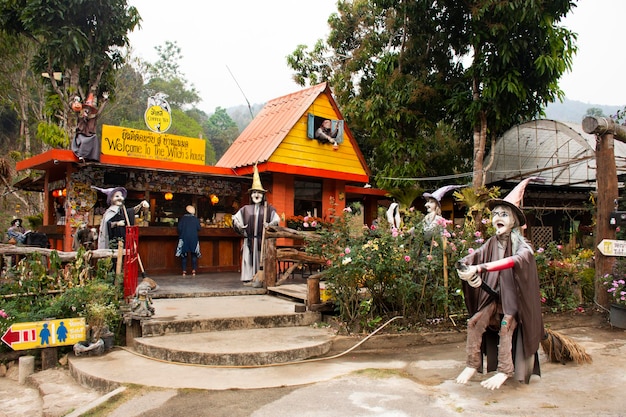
[601,125]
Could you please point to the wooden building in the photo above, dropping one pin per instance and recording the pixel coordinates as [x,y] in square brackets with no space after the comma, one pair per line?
[303,175]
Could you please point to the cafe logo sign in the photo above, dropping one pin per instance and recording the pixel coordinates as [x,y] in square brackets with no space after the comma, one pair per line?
[158,114]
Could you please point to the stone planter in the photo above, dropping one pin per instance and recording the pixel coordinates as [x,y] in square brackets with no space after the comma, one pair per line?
[618,316]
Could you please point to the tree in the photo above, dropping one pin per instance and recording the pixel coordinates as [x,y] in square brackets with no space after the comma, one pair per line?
[221,131]
[20,90]
[79,40]
[400,69]
[164,76]
[595,111]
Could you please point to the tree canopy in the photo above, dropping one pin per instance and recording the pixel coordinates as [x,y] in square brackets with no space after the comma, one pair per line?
[409,74]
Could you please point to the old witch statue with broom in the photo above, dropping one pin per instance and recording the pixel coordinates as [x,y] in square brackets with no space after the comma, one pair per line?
[501,289]
[250,222]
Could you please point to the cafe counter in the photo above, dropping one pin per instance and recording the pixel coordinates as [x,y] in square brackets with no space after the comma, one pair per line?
[220,248]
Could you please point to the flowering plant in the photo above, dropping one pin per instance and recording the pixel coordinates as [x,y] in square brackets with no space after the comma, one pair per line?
[616,287]
[305,222]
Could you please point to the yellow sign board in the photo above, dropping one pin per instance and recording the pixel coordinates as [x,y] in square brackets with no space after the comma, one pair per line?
[123,141]
[158,119]
[43,334]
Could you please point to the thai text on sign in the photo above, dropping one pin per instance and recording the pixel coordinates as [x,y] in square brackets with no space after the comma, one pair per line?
[43,334]
[610,247]
[122,141]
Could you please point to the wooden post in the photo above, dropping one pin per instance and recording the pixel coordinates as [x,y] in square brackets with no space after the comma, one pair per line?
[133,330]
[445,275]
[269,263]
[49,357]
[313,290]
[606,185]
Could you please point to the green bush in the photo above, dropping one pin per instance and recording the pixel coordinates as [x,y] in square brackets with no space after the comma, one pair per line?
[32,292]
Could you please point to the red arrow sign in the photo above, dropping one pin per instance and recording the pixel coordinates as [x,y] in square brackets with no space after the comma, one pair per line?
[10,336]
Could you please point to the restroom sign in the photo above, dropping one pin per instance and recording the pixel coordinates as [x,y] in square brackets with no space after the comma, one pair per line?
[43,334]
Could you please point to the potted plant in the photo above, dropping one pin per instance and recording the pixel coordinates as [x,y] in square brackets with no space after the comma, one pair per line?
[616,287]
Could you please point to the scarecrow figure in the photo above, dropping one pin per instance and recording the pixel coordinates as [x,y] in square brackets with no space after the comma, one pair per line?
[113,223]
[141,305]
[433,222]
[393,215]
[250,222]
[501,289]
[85,144]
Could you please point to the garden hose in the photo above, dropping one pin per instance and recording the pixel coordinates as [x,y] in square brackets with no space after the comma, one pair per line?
[269,364]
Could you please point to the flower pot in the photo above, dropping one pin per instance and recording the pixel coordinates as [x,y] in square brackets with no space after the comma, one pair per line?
[618,316]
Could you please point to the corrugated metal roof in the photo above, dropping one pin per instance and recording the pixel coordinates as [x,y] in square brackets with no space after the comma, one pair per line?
[264,134]
[560,152]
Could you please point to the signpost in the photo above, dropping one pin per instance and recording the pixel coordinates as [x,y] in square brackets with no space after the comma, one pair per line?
[45,334]
[610,247]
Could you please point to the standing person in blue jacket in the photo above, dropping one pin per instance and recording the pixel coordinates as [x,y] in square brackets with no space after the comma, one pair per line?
[188,243]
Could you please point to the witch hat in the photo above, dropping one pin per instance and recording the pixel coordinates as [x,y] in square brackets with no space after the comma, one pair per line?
[91,103]
[256,181]
[439,193]
[110,191]
[514,199]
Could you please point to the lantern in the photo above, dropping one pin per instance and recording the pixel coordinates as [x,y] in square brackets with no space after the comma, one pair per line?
[168,196]
[214,199]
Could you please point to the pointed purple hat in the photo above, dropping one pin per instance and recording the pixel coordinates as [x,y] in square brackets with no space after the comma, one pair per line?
[438,194]
[110,191]
[514,199]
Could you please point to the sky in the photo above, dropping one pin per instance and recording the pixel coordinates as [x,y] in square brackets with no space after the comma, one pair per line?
[235,51]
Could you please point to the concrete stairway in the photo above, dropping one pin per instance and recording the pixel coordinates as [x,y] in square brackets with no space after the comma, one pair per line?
[231,331]
[210,333]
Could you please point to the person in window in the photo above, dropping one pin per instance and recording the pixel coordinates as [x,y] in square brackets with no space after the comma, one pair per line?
[188,243]
[249,221]
[325,133]
[17,231]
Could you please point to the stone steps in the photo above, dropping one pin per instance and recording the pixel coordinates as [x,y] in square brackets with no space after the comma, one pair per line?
[231,331]
[243,347]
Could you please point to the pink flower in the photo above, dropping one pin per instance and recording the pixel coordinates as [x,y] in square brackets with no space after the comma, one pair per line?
[306,218]
[477,233]
[617,229]
[412,209]
[407,258]
[329,262]
[540,250]
[429,257]
[347,250]
[559,247]
[313,223]
[373,227]
[394,232]
[483,221]
[305,224]
[543,299]
[470,250]
[3,314]
[580,309]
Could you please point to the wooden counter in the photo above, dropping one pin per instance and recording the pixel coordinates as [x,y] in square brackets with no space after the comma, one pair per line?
[220,248]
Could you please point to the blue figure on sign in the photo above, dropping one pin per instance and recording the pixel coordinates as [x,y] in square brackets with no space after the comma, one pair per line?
[62,332]
[44,334]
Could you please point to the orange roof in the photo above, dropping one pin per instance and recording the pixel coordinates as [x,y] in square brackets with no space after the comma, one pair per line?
[263,136]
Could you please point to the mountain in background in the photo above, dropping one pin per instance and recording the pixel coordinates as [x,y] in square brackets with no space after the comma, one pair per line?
[568,111]
[575,111]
